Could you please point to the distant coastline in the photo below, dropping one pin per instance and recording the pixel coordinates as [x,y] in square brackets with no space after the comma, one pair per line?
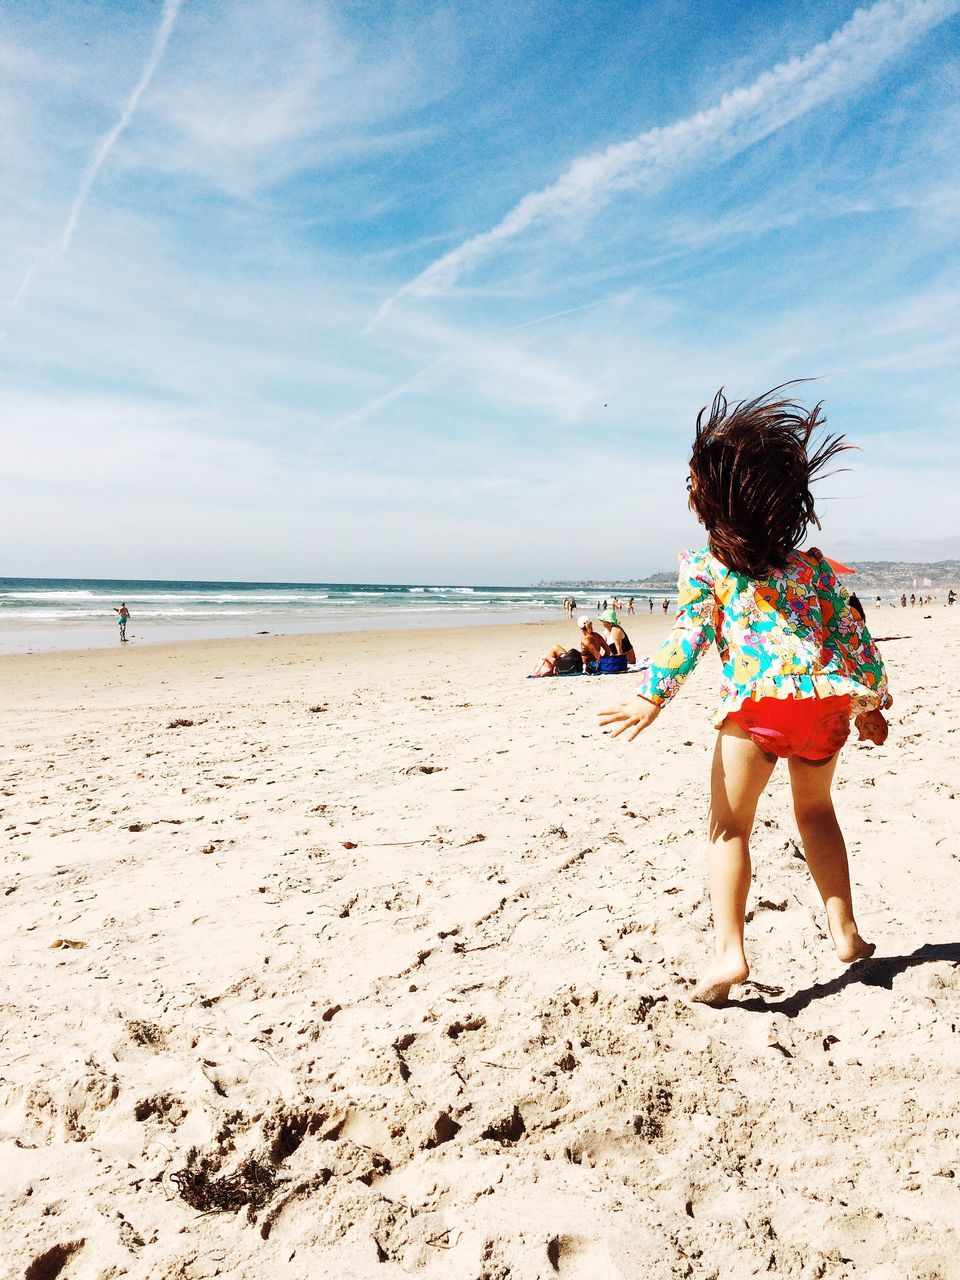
[874,575]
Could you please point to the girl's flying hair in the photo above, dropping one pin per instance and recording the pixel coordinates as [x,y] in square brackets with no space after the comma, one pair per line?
[750,476]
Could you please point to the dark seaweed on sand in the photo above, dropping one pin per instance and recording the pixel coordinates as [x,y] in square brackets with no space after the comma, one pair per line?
[253,1184]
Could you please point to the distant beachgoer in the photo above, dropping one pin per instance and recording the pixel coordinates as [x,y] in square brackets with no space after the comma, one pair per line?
[903,600]
[573,607]
[123,617]
[650,603]
[666,605]
[878,600]
[605,607]
[630,608]
[592,646]
[951,597]
[617,638]
[783,626]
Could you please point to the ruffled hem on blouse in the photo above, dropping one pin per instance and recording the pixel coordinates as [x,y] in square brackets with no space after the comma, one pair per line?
[820,685]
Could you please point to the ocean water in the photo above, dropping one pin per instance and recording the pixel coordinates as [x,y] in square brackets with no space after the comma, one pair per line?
[66,613]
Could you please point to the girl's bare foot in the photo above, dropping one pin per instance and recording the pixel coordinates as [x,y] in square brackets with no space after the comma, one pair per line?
[850,946]
[724,973]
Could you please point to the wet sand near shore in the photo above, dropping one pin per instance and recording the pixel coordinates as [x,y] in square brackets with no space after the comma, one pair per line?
[390,947]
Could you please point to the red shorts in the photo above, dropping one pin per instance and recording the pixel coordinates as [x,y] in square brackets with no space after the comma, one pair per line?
[811,728]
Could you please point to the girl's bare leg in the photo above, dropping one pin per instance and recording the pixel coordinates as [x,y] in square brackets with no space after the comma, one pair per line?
[826,853]
[739,774]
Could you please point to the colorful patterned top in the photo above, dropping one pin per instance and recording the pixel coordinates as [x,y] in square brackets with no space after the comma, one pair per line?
[790,635]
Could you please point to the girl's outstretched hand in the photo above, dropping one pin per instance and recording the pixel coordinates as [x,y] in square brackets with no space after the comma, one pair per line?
[873,727]
[637,715]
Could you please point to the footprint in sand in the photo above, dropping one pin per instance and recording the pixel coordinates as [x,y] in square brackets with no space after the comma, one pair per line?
[50,1264]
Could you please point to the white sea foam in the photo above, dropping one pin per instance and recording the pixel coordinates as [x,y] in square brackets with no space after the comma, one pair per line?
[71,594]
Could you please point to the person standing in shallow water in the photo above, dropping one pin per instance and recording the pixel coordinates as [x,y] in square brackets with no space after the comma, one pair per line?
[797,661]
[123,617]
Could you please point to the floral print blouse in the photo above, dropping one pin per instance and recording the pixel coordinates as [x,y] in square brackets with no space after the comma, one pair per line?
[789,635]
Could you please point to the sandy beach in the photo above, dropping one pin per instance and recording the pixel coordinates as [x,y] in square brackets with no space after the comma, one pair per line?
[398,937]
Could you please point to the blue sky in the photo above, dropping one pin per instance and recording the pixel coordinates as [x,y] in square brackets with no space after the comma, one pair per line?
[434,291]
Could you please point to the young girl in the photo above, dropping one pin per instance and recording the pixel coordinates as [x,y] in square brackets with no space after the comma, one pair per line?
[797,661]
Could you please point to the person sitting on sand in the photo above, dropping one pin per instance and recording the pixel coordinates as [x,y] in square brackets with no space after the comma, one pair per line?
[559,661]
[592,646]
[617,638]
[797,662]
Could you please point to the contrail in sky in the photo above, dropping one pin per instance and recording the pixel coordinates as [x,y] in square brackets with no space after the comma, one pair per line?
[850,58]
[374,406]
[51,256]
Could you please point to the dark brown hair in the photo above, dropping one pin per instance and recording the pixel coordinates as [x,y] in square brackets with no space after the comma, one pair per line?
[750,473]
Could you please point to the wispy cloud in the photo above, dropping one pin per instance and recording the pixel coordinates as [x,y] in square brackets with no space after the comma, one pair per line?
[498,369]
[55,252]
[260,94]
[852,56]
[360,415]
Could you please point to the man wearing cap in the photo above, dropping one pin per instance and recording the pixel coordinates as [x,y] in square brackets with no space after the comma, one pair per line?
[592,646]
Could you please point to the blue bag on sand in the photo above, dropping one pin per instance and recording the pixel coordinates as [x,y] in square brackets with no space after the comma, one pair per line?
[614,664]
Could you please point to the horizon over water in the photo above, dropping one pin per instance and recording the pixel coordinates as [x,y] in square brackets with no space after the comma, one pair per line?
[78,613]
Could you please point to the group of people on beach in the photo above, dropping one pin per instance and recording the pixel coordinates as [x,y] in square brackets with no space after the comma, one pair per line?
[610,641]
[616,604]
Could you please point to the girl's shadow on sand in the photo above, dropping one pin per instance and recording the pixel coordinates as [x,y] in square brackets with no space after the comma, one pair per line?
[876,972]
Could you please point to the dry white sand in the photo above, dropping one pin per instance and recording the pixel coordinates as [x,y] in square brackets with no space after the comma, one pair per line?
[406,929]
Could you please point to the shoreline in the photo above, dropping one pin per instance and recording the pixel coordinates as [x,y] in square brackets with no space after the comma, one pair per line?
[64,635]
[86,638]
[101,640]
